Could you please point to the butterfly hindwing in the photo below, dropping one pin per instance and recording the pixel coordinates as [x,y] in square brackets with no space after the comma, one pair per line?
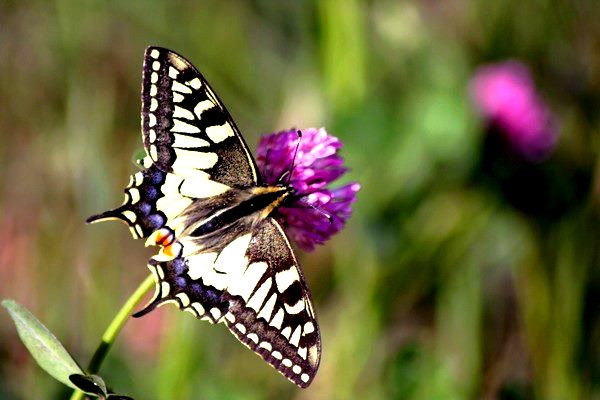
[155,198]
[186,127]
[254,285]
[139,209]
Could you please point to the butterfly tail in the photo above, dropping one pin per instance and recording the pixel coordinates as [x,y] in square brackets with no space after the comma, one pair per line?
[155,302]
[117,213]
[160,295]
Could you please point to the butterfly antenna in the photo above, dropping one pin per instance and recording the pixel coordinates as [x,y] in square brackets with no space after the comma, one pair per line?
[293,164]
[317,209]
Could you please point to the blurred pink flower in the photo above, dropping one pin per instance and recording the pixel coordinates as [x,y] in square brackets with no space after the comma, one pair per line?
[505,95]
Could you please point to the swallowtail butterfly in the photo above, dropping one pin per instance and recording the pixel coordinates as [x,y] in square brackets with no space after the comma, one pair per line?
[201,198]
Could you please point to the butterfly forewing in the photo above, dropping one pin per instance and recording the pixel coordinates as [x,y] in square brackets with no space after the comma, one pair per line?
[186,127]
[194,148]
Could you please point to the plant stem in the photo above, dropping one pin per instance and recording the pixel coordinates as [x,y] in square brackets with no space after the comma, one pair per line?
[113,330]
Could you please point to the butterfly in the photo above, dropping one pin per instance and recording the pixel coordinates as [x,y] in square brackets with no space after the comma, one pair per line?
[200,197]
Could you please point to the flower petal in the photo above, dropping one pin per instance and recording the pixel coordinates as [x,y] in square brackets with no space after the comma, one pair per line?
[315,166]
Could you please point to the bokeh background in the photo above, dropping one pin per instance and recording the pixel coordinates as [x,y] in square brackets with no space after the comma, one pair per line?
[464,272]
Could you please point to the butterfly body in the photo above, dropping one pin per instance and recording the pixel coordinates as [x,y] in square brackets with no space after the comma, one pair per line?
[254,204]
[201,199]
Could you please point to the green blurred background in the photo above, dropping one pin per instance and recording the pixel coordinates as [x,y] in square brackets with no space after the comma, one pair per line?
[439,288]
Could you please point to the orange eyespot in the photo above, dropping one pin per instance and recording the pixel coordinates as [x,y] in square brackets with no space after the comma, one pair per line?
[172,251]
[162,237]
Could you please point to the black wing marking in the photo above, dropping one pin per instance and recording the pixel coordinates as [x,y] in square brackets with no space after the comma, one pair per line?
[186,127]
[254,285]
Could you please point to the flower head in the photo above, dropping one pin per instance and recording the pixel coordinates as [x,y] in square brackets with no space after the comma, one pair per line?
[505,95]
[316,165]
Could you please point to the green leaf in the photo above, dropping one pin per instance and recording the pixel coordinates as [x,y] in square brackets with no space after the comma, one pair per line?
[42,344]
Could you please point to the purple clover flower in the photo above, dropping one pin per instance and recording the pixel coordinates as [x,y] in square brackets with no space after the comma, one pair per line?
[505,95]
[317,164]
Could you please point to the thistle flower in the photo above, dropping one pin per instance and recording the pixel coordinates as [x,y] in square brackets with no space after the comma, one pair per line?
[505,95]
[315,166]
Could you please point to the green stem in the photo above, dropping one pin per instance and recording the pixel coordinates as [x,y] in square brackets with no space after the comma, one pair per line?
[111,333]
